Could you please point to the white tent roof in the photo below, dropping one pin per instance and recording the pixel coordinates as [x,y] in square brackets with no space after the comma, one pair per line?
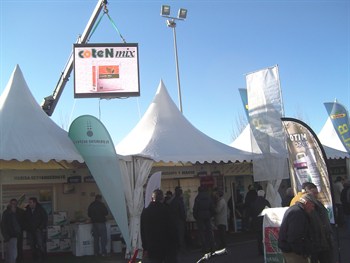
[331,142]
[164,134]
[26,132]
[328,137]
[243,141]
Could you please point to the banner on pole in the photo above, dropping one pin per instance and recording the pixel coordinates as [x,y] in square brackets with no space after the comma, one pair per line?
[244,97]
[265,112]
[95,145]
[340,120]
[307,161]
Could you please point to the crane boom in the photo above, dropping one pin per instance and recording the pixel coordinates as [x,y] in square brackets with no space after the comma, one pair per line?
[50,102]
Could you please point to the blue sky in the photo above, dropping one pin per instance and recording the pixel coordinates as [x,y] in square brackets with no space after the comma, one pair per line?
[218,44]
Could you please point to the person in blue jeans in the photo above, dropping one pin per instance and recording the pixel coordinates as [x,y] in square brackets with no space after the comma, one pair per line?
[97,211]
[11,230]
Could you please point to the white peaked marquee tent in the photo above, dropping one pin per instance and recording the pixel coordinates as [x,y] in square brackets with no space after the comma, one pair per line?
[29,139]
[328,137]
[331,143]
[26,132]
[164,134]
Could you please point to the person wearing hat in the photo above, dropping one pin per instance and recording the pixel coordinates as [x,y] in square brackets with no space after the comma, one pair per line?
[294,235]
[259,205]
[306,187]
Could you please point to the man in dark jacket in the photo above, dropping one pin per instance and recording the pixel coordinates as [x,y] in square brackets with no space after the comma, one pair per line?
[178,213]
[321,229]
[203,211]
[158,231]
[259,205]
[345,200]
[11,231]
[294,235]
[20,215]
[36,224]
[97,211]
[248,207]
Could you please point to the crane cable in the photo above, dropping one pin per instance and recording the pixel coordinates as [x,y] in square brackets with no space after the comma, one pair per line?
[105,12]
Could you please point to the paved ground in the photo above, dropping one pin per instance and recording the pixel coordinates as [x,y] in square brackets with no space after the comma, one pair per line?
[242,248]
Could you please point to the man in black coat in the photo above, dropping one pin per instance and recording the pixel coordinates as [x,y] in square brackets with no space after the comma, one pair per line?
[158,231]
[248,207]
[259,205]
[345,199]
[11,231]
[36,224]
[178,213]
[97,211]
[294,236]
[203,211]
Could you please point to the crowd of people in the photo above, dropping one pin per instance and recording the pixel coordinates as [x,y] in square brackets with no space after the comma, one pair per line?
[305,234]
[33,219]
[163,224]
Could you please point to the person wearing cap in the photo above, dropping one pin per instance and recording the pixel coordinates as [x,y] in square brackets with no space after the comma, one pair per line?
[294,235]
[259,205]
[320,229]
[305,187]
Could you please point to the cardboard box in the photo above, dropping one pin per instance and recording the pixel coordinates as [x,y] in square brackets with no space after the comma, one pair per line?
[65,245]
[114,229]
[66,231]
[54,232]
[82,241]
[53,245]
[60,218]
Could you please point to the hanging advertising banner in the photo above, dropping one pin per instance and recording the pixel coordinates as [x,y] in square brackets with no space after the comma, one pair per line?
[94,143]
[106,70]
[307,161]
[340,120]
[265,110]
[244,97]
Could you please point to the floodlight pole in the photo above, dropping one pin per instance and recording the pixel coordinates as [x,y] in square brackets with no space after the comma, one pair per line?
[172,24]
[182,14]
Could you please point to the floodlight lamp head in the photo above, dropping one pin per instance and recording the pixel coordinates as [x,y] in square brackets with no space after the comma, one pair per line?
[171,23]
[165,10]
[182,14]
